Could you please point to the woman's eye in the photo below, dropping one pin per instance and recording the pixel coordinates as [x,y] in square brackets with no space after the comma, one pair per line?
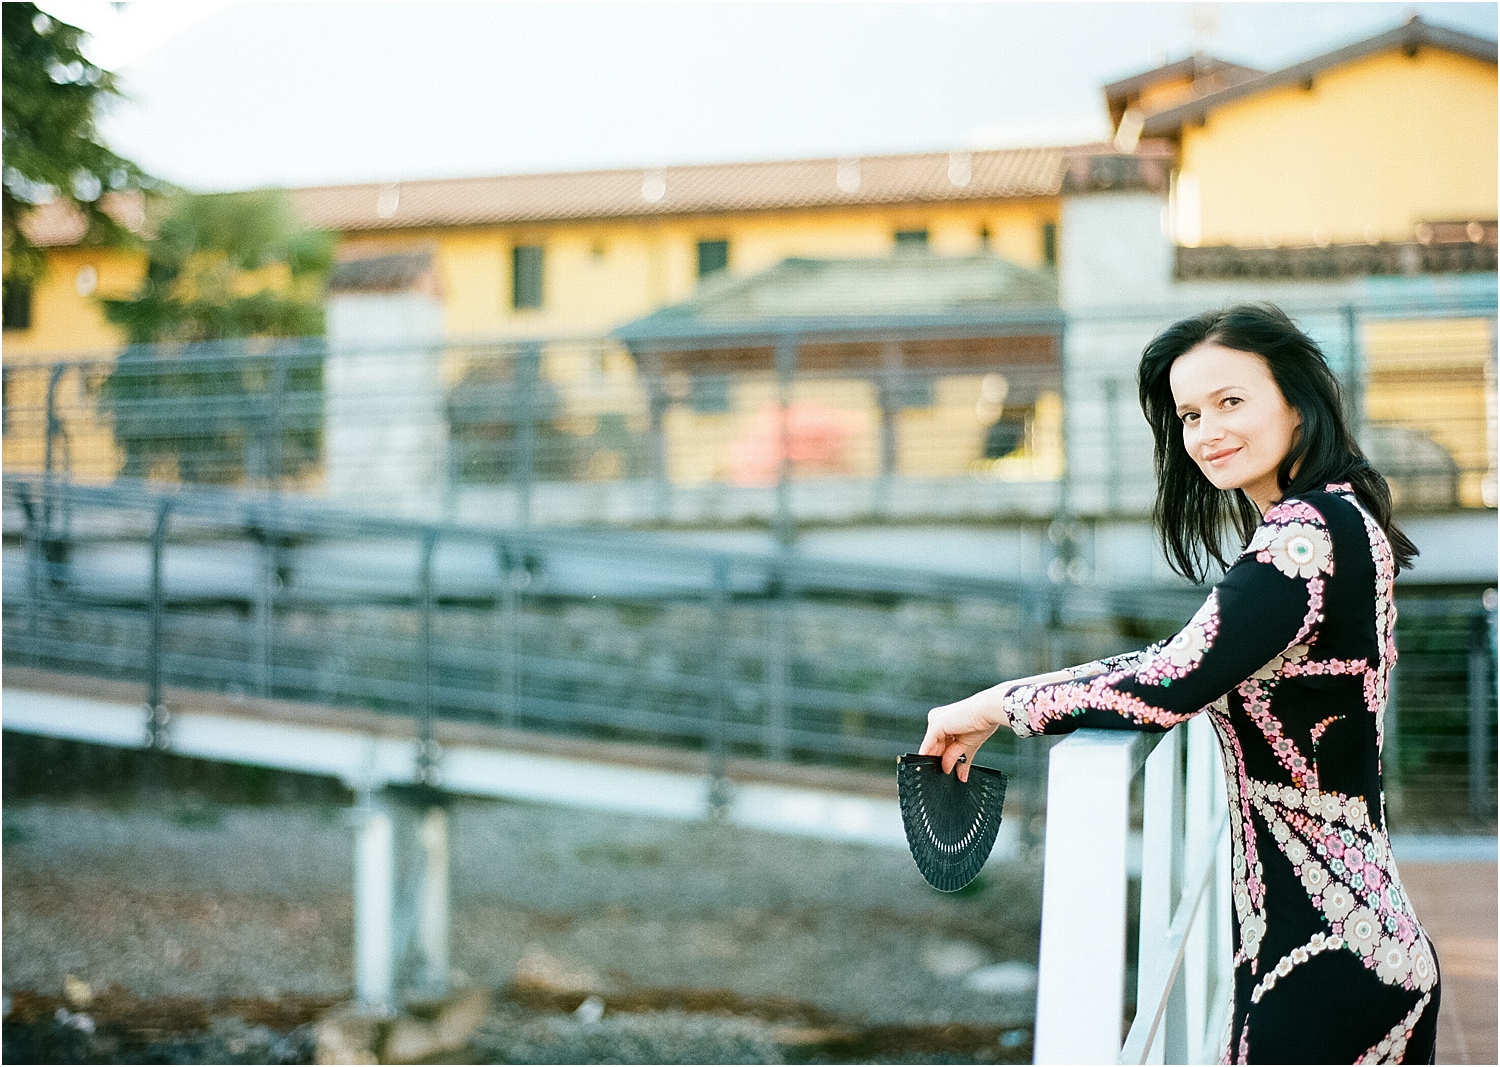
[1189,416]
[1231,401]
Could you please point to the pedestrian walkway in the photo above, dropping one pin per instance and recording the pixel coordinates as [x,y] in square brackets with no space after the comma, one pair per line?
[1456,902]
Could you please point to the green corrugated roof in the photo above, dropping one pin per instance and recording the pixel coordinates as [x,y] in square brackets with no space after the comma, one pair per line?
[817,295]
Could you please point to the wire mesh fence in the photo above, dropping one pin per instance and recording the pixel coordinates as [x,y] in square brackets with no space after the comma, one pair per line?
[837,427]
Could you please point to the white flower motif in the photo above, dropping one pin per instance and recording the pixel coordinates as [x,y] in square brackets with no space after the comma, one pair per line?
[1262,537]
[1241,901]
[1361,930]
[1332,806]
[1314,877]
[1251,932]
[1187,646]
[1300,954]
[1280,832]
[1301,550]
[1284,966]
[1423,972]
[1296,851]
[1337,902]
[1354,811]
[1290,796]
[1393,963]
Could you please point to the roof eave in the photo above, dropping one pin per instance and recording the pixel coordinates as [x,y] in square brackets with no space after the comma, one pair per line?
[1410,35]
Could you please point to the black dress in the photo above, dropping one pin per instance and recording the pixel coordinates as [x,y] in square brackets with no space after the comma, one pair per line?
[1291,657]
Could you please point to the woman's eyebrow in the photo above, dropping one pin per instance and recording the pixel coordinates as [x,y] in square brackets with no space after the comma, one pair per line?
[1220,391]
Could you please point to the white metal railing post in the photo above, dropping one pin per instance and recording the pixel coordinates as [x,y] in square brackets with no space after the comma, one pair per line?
[1198,812]
[1161,876]
[1184,987]
[374,906]
[432,902]
[1081,973]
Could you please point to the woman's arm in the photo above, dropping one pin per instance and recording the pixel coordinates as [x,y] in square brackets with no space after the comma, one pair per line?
[1269,603]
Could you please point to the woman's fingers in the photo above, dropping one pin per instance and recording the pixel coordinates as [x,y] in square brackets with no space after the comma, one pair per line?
[956,758]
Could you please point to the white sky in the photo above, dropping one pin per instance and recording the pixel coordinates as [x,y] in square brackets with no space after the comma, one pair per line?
[231,95]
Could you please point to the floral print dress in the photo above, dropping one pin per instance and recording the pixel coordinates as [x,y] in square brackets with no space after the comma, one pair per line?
[1291,657]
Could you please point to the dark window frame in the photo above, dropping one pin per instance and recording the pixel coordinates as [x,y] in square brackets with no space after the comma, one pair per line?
[18,304]
[713,257]
[913,240]
[528,265]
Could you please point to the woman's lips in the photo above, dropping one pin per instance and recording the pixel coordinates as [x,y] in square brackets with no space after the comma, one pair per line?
[1219,457]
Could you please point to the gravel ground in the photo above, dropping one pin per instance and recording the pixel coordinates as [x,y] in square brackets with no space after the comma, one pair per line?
[704,942]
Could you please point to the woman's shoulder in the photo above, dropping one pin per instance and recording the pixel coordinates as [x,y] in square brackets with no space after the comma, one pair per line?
[1333,505]
[1301,535]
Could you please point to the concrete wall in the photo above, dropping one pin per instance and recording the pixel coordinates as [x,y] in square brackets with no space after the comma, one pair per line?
[385,430]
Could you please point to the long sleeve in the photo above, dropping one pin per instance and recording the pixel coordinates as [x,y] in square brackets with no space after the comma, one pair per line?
[1269,603]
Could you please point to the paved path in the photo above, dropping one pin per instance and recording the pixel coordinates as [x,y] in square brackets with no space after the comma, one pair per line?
[1457,904]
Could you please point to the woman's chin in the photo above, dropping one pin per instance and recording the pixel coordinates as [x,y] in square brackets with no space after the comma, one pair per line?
[1221,480]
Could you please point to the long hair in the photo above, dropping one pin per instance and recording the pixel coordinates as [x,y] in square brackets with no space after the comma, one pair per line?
[1191,515]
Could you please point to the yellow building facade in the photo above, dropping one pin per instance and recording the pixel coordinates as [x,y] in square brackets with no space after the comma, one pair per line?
[1367,144]
[600,274]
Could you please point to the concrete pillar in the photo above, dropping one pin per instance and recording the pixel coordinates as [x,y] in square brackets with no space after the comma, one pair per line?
[385,419]
[375,907]
[1114,273]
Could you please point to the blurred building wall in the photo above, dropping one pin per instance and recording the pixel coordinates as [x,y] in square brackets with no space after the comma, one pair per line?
[1361,152]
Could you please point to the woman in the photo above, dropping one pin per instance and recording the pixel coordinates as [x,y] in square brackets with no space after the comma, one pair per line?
[1290,656]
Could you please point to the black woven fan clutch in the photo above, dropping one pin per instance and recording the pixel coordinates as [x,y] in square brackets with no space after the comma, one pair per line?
[950,825]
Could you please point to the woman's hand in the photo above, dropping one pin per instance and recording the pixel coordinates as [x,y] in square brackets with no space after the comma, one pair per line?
[955,731]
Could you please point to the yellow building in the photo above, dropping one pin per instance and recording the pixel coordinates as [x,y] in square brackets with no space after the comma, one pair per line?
[569,255]
[1380,141]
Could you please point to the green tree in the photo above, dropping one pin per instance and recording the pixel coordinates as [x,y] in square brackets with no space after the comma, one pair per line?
[51,96]
[227,265]
[204,381]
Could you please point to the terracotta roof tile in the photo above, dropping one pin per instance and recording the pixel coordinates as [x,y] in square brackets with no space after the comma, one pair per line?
[709,189]
[644,193]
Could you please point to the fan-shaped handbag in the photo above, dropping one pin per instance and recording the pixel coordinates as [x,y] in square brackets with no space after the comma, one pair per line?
[950,824]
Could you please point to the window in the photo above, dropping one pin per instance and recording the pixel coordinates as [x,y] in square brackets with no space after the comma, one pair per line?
[709,394]
[526,276]
[1049,243]
[911,240]
[713,257]
[17,305]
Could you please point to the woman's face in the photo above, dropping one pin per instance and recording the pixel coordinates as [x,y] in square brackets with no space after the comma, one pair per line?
[1236,425]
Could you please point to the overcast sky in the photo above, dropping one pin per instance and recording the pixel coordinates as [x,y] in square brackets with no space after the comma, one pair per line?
[237,95]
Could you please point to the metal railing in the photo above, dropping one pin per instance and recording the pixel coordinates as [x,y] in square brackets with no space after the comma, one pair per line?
[1183,989]
[558,432]
[614,637]
[773,655]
